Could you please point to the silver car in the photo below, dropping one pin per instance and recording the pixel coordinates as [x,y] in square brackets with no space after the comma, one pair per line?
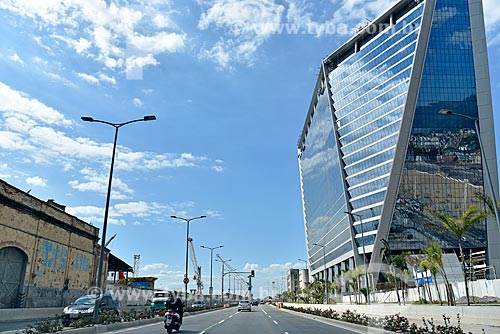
[244,305]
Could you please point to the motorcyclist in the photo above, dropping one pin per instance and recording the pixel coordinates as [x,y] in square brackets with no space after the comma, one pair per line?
[175,303]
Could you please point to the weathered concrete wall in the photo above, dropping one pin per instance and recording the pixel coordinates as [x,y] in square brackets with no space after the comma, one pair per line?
[60,248]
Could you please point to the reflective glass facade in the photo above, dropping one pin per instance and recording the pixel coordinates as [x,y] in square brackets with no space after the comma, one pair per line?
[442,169]
[365,112]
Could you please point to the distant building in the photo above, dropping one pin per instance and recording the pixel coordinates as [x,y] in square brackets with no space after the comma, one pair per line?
[374,144]
[292,280]
[47,257]
[303,278]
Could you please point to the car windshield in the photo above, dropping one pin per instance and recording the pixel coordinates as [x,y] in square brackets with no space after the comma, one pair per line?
[86,300]
[160,295]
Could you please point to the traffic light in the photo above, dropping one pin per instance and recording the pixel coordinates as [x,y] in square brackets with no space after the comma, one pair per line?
[252,273]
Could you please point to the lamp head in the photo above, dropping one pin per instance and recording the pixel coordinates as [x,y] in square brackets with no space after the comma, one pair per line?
[150,118]
[203,216]
[445,112]
[173,216]
[87,119]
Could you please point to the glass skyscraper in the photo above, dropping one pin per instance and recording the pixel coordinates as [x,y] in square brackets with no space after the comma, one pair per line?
[375,152]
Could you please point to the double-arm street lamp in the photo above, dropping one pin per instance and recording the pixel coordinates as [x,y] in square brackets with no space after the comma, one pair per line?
[305,262]
[108,196]
[483,157]
[186,278]
[324,264]
[364,254]
[211,288]
[219,259]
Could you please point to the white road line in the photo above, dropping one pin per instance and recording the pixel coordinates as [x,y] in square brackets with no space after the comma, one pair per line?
[275,322]
[264,312]
[220,322]
[286,332]
[269,316]
[204,332]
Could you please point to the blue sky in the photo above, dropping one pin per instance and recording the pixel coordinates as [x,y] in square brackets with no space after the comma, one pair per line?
[230,83]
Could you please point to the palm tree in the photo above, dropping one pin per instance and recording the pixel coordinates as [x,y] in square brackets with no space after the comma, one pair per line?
[395,262]
[334,286]
[490,211]
[413,261]
[434,254]
[459,227]
[348,281]
[318,291]
[424,266]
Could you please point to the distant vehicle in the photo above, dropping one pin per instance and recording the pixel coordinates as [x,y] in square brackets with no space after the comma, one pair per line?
[244,305]
[159,298]
[255,302]
[198,303]
[84,307]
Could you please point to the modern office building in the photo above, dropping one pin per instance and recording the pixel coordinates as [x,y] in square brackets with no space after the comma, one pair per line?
[375,152]
[296,279]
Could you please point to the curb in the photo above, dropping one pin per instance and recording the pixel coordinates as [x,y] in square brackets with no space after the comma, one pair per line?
[339,323]
[111,327]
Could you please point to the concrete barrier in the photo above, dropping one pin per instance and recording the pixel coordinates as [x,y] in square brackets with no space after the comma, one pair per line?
[13,314]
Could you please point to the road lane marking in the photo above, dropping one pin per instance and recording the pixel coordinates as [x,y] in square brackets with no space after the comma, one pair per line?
[275,322]
[286,332]
[269,316]
[218,323]
[264,312]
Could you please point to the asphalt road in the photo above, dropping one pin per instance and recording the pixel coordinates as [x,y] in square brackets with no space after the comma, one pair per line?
[263,319]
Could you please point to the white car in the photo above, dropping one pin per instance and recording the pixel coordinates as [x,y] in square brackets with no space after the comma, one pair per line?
[198,303]
[245,305]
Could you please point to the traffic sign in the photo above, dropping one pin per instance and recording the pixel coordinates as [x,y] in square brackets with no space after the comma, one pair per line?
[186,280]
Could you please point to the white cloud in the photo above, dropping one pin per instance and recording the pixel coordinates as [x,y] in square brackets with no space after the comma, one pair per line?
[135,209]
[38,60]
[15,58]
[89,78]
[492,21]
[100,30]
[138,102]
[218,169]
[94,182]
[29,125]
[159,43]
[97,80]
[13,103]
[251,266]
[163,21]
[36,181]
[249,24]
[108,79]
[155,266]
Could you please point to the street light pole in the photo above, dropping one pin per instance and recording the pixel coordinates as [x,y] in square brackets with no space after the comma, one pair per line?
[186,278]
[324,264]
[108,196]
[364,255]
[483,158]
[211,288]
[222,284]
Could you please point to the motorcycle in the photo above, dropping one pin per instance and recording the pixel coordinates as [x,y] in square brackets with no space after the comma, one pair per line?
[172,321]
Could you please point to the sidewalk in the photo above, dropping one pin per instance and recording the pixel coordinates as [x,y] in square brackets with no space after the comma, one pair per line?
[472,318]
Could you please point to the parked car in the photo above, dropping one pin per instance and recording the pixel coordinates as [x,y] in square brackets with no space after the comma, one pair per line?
[244,305]
[198,303]
[84,307]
